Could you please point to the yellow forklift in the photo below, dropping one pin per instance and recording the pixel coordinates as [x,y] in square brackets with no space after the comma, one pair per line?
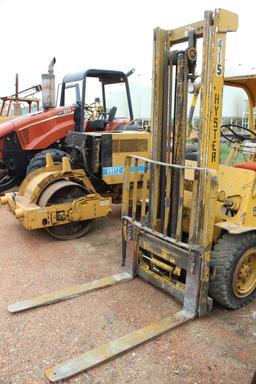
[193,234]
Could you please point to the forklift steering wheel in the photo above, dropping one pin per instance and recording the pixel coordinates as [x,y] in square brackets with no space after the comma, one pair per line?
[237,137]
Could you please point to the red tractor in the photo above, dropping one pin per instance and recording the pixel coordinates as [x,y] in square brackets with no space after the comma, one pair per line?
[25,141]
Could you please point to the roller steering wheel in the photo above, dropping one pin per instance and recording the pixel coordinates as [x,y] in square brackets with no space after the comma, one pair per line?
[88,110]
[86,106]
[237,137]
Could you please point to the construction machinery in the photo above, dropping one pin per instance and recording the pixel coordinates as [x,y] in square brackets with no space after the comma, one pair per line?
[193,235]
[63,200]
[22,140]
[11,106]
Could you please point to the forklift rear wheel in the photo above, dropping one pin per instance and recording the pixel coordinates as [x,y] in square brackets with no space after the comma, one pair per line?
[234,262]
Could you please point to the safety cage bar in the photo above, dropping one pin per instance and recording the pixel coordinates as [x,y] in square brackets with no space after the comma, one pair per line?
[183,230]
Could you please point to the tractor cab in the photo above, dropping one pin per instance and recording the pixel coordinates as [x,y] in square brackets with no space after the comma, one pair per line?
[101,99]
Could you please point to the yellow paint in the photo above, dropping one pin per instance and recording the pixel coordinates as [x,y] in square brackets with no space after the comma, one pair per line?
[244,278]
[123,144]
[32,216]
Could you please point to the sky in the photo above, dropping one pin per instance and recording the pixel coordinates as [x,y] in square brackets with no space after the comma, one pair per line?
[108,34]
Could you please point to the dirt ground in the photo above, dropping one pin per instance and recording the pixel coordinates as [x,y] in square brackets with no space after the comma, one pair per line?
[217,349]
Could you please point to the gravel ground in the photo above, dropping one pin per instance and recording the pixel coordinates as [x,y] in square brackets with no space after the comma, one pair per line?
[217,349]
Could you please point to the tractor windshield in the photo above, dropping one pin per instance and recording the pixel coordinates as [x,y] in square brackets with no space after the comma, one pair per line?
[115,95]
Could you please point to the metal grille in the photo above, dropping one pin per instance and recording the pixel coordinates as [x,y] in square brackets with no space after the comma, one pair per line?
[130,145]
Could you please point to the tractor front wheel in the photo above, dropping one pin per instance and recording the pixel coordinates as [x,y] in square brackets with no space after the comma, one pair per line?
[234,269]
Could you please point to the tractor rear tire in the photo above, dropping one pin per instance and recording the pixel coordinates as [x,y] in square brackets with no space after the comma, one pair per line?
[39,160]
[234,264]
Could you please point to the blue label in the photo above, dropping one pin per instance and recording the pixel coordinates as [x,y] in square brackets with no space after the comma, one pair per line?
[113,171]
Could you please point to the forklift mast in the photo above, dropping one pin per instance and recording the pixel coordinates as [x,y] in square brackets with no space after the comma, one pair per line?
[155,246]
[173,72]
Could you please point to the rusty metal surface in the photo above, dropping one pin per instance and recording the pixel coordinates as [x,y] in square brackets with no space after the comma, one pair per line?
[135,189]
[178,145]
[114,348]
[131,255]
[167,201]
[144,190]
[165,249]
[177,291]
[226,21]
[160,55]
[68,293]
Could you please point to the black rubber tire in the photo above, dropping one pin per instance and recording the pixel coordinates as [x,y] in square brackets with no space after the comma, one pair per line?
[225,256]
[38,161]
[81,229]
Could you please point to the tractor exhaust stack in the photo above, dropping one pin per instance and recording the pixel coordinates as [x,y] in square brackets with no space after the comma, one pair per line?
[48,87]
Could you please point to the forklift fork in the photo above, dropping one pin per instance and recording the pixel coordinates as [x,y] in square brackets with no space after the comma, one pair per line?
[114,348]
[68,293]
